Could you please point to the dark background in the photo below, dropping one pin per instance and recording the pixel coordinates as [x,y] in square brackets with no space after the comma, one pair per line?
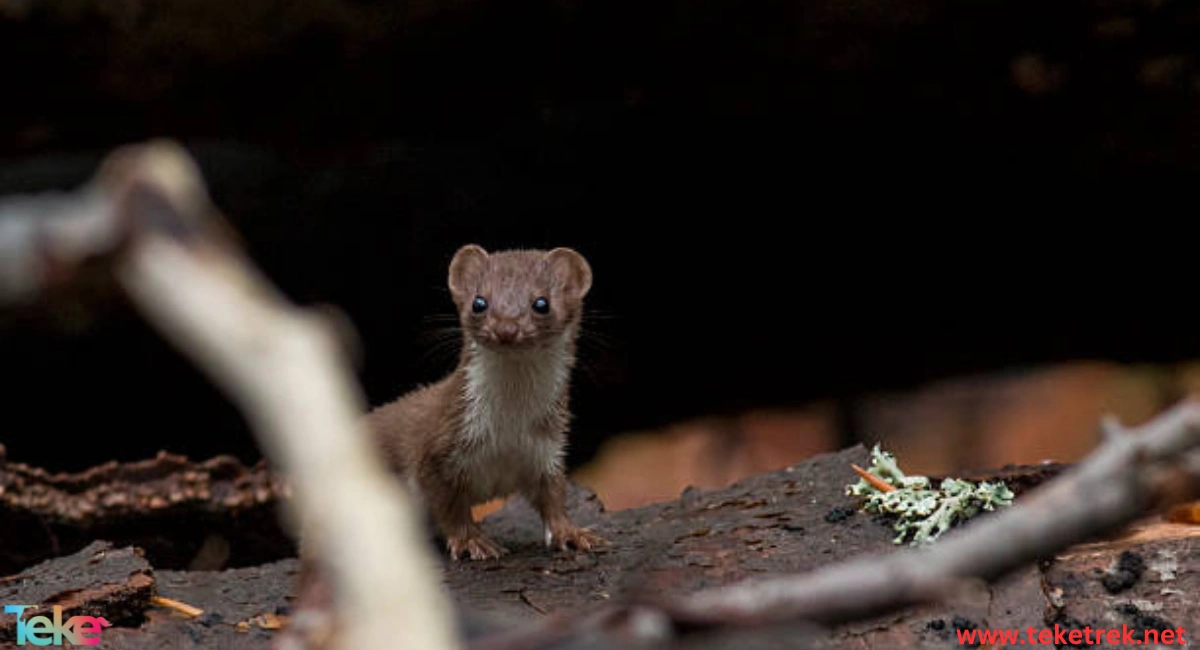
[781,203]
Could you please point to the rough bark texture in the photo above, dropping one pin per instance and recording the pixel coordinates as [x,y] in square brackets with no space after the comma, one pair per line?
[99,580]
[241,608]
[182,514]
[785,522]
[789,521]
[1147,579]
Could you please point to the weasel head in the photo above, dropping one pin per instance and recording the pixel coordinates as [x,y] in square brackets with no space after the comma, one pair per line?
[519,300]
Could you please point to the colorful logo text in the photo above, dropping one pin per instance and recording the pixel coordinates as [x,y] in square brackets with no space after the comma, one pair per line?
[42,630]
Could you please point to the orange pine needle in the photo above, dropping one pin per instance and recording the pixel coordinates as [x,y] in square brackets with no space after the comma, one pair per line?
[182,608]
[875,481]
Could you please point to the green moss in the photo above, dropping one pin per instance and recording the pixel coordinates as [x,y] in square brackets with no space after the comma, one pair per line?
[921,512]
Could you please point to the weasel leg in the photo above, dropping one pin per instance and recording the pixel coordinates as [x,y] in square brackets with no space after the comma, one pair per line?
[474,545]
[569,535]
[451,512]
[550,498]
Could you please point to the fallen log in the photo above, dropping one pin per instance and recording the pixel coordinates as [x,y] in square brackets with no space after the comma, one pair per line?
[204,515]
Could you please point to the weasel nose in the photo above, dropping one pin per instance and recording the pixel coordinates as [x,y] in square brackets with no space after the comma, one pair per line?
[506,331]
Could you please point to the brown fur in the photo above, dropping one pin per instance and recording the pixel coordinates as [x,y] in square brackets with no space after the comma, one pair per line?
[513,373]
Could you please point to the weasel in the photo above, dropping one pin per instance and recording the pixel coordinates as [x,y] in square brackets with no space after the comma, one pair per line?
[497,425]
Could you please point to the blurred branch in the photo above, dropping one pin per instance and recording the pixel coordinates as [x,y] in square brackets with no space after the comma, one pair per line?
[148,209]
[1133,473]
[37,231]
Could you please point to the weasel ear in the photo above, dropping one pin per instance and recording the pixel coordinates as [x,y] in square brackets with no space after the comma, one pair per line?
[572,268]
[466,263]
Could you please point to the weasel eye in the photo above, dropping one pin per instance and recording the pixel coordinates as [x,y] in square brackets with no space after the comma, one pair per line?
[479,305]
[541,306]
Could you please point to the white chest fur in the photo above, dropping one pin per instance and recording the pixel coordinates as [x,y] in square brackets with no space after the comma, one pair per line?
[506,395]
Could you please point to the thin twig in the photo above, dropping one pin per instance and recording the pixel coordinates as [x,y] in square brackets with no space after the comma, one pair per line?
[528,601]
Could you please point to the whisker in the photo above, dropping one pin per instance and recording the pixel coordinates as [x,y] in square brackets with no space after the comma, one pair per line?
[598,341]
[440,318]
[438,355]
[596,338]
[596,349]
[590,367]
[440,346]
[436,334]
[590,313]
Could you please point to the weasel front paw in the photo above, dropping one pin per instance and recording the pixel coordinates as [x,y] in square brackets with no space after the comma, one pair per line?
[475,546]
[574,537]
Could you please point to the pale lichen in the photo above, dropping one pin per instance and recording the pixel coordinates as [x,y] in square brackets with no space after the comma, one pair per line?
[923,513]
